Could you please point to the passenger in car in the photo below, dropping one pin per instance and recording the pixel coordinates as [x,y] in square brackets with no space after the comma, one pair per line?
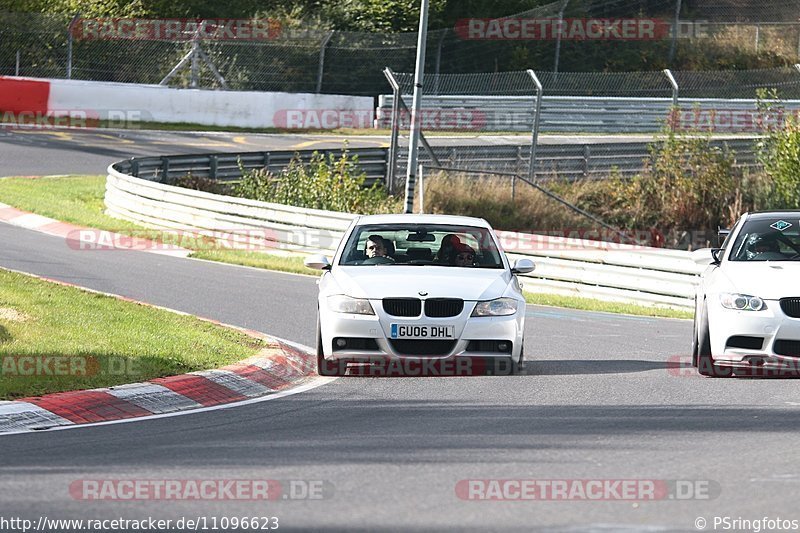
[463,256]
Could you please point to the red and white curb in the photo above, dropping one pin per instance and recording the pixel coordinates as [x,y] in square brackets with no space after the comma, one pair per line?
[275,369]
[73,232]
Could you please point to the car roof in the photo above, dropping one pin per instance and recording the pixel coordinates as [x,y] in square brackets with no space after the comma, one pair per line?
[455,220]
[761,215]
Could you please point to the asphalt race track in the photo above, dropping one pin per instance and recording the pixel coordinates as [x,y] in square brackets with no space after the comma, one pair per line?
[603,398]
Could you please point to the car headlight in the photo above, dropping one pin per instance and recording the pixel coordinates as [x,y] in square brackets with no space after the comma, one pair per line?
[742,302]
[498,307]
[345,304]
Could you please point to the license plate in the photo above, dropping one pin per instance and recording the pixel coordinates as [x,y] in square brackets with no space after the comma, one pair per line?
[409,331]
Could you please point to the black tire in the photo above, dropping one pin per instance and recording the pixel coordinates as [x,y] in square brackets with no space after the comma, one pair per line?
[694,338]
[325,367]
[705,359]
[519,365]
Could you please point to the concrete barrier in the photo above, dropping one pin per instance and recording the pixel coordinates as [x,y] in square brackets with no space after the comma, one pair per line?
[122,104]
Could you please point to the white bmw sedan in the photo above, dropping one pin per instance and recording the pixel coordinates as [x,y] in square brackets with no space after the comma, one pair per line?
[411,288]
[747,306]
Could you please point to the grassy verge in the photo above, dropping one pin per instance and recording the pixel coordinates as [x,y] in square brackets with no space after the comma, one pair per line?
[79,200]
[588,304]
[55,338]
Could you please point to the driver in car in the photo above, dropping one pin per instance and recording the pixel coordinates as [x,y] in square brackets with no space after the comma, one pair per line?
[376,248]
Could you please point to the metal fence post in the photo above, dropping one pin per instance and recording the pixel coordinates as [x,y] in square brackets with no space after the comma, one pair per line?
[675,22]
[421,189]
[195,81]
[391,168]
[535,132]
[671,78]
[69,43]
[558,38]
[322,48]
[587,155]
[758,34]
[438,61]
[16,70]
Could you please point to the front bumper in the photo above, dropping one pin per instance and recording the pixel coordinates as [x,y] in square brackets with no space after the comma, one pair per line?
[775,330]
[378,328]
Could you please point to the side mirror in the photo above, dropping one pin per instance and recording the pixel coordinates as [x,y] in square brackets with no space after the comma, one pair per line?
[707,256]
[318,262]
[523,266]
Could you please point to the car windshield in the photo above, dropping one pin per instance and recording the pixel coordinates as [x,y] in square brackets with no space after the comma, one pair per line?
[422,244]
[767,239]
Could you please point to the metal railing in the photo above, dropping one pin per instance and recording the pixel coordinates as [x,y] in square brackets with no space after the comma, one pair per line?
[227,168]
[564,161]
[584,114]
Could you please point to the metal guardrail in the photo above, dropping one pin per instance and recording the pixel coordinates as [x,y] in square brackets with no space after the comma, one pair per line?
[578,267]
[227,168]
[566,161]
[583,114]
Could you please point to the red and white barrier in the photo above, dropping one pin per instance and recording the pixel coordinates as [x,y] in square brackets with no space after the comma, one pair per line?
[84,103]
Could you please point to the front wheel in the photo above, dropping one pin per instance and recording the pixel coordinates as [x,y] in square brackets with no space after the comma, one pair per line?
[519,365]
[705,360]
[325,367]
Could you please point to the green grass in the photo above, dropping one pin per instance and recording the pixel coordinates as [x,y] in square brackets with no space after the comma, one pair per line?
[79,200]
[589,304]
[100,340]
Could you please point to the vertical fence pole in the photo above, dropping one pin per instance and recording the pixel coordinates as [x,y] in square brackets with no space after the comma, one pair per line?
[69,43]
[195,64]
[535,132]
[421,189]
[391,168]
[758,34]
[438,61]
[675,23]
[416,105]
[16,70]
[321,69]
[674,84]
[557,57]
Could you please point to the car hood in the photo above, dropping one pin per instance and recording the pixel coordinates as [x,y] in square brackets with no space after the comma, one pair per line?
[394,281]
[770,280]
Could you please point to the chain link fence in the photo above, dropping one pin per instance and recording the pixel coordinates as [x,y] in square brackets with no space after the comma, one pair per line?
[739,33]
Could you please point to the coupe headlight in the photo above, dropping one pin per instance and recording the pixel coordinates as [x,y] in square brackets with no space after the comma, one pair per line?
[345,304]
[498,307]
[742,302]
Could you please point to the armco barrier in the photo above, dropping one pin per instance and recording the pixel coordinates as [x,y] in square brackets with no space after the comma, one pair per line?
[567,161]
[227,167]
[580,114]
[126,103]
[584,268]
